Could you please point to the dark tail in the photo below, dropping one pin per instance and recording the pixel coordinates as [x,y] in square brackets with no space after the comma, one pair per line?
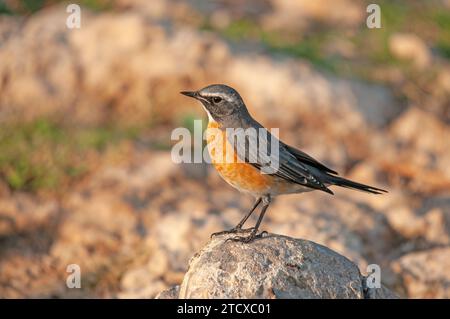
[339,181]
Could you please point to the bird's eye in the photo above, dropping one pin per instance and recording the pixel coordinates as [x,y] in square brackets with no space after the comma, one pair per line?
[217,99]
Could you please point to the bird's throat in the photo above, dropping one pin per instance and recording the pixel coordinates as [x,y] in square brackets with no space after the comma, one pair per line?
[210,118]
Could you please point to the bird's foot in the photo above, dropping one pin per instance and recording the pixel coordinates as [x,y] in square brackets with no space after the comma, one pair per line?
[233,230]
[249,238]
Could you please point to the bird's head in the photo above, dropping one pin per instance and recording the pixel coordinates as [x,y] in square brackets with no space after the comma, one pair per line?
[221,102]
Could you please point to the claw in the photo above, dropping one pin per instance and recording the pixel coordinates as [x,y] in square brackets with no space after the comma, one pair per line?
[232,231]
[249,238]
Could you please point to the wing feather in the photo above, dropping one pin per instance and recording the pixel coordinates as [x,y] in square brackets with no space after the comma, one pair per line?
[287,165]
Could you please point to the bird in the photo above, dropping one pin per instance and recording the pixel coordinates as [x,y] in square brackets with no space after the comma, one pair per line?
[296,172]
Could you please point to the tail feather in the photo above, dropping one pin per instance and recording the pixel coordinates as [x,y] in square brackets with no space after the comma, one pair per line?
[339,181]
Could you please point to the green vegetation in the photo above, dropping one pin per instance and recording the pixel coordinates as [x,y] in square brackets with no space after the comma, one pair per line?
[45,155]
[425,19]
[309,48]
[442,19]
[29,6]
[24,7]
[4,9]
[187,120]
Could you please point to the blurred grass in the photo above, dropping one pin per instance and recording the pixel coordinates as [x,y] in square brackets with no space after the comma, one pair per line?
[188,119]
[308,48]
[44,155]
[26,7]
[426,19]
[4,9]
[442,19]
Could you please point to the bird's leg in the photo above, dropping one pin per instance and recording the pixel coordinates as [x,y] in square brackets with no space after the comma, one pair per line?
[254,234]
[242,222]
[238,227]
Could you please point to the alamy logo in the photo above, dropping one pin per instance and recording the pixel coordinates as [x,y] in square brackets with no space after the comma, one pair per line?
[373,280]
[74,279]
[73,21]
[374,19]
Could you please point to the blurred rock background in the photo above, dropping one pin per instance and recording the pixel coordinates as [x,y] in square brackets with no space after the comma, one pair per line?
[86,115]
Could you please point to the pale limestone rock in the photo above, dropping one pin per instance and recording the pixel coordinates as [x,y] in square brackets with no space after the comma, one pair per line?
[425,274]
[171,293]
[273,267]
[410,47]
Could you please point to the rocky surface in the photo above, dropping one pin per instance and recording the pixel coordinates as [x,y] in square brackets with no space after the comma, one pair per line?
[425,274]
[410,47]
[134,223]
[272,267]
[86,57]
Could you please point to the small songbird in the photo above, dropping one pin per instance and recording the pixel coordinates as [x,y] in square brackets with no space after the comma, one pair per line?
[296,171]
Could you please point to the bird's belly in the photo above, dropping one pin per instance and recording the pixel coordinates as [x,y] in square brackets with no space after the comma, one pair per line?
[243,176]
[248,179]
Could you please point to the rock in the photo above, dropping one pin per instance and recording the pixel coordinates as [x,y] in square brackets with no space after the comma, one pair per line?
[406,223]
[138,283]
[416,160]
[132,228]
[431,226]
[85,57]
[8,26]
[410,47]
[273,267]
[20,213]
[100,82]
[437,226]
[311,92]
[142,290]
[171,293]
[378,293]
[425,274]
[376,104]
[292,15]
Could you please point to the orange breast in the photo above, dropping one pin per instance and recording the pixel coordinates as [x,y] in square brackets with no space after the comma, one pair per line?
[242,176]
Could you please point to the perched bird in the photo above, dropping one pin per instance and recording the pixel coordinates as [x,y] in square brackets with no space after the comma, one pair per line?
[296,171]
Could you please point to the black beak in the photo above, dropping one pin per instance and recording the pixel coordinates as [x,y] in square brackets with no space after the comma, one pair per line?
[190,94]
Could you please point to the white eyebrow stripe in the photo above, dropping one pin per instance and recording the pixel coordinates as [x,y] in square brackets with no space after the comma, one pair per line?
[221,95]
[209,94]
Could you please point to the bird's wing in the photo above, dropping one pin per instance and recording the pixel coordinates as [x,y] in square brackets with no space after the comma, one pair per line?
[251,146]
[305,158]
